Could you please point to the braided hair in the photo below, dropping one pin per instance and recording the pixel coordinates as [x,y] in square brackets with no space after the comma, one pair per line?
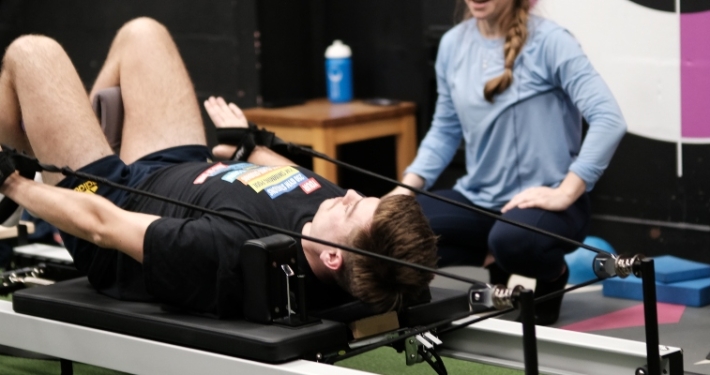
[515,22]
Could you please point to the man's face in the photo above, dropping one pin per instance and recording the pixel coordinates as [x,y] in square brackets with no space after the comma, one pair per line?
[337,217]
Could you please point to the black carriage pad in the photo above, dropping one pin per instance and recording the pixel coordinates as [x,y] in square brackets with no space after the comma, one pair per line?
[438,305]
[76,302]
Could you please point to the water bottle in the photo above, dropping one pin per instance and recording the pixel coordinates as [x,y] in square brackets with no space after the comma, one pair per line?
[338,70]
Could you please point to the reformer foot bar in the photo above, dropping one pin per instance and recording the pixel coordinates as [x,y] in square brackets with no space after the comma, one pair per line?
[560,352]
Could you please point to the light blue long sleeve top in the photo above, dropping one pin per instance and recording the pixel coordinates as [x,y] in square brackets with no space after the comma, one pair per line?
[531,135]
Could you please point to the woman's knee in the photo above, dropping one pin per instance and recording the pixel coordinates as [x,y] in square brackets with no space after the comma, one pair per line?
[513,248]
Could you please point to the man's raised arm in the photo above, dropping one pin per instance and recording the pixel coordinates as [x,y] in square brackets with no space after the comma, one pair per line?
[87,216]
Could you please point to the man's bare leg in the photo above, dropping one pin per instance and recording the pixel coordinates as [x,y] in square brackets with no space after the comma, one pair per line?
[39,85]
[160,105]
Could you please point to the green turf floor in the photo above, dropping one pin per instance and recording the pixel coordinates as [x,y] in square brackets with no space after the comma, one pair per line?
[23,366]
[385,361]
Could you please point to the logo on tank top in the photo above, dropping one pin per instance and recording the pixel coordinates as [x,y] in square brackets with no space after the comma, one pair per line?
[310,185]
[209,172]
[87,187]
[231,171]
[274,180]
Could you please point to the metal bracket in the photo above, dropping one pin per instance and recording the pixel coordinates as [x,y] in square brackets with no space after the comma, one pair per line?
[608,265]
[26,277]
[422,348]
[494,296]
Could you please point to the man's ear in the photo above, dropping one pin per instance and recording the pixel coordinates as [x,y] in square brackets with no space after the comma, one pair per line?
[332,258]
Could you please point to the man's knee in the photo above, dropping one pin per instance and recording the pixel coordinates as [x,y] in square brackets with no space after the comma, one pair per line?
[142,28]
[32,48]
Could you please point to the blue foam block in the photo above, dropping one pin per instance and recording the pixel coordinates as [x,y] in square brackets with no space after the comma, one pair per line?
[694,293]
[670,269]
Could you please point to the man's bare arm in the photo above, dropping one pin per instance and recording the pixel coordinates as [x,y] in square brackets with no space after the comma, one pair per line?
[84,215]
[265,156]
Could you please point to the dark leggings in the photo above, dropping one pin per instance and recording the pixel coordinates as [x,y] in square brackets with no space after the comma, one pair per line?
[465,237]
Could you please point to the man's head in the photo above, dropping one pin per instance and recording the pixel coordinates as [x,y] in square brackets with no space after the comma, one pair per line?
[336,218]
[393,226]
[399,230]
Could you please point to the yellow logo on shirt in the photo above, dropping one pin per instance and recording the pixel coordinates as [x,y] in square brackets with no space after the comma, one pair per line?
[87,187]
[271,178]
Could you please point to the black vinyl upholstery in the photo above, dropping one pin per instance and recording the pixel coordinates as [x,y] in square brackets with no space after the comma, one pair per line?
[76,302]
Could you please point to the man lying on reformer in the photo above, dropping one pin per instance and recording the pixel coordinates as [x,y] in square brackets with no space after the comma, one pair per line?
[136,248]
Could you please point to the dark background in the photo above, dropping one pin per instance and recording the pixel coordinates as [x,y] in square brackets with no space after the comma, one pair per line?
[266,51]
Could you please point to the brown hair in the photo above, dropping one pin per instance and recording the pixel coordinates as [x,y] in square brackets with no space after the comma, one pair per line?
[514,21]
[400,230]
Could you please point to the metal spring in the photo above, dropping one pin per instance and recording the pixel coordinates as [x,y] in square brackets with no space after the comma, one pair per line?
[17,275]
[503,297]
[625,265]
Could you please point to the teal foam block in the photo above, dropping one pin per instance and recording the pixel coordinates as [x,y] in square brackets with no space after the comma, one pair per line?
[694,293]
[670,269]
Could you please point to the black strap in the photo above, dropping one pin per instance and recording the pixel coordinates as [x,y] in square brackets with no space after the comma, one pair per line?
[245,148]
[7,166]
[11,160]
[246,139]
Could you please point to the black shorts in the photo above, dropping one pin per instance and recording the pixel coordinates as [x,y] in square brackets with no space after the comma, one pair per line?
[115,170]
[110,271]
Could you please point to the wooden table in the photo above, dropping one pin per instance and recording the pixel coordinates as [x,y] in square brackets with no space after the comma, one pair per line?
[323,126]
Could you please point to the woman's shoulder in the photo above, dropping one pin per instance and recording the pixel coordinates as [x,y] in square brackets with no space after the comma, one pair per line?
[457,32]
[542,31]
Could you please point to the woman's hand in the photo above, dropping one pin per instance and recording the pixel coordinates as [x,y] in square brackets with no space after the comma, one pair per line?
[225,116]
[399,191]
[410,179]
[546,198]
[541,197]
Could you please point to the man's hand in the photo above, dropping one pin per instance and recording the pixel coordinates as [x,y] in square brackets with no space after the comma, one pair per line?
[225,116]
[546,198]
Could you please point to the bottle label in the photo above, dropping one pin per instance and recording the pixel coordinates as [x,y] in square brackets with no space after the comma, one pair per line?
[339,80]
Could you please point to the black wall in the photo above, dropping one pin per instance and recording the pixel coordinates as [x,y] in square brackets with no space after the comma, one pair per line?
[215,38]
[392,57]
[268,51]
[641,205]
[394,45]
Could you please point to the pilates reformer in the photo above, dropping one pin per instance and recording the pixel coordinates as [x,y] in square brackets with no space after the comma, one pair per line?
[95,325]
[71,321]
